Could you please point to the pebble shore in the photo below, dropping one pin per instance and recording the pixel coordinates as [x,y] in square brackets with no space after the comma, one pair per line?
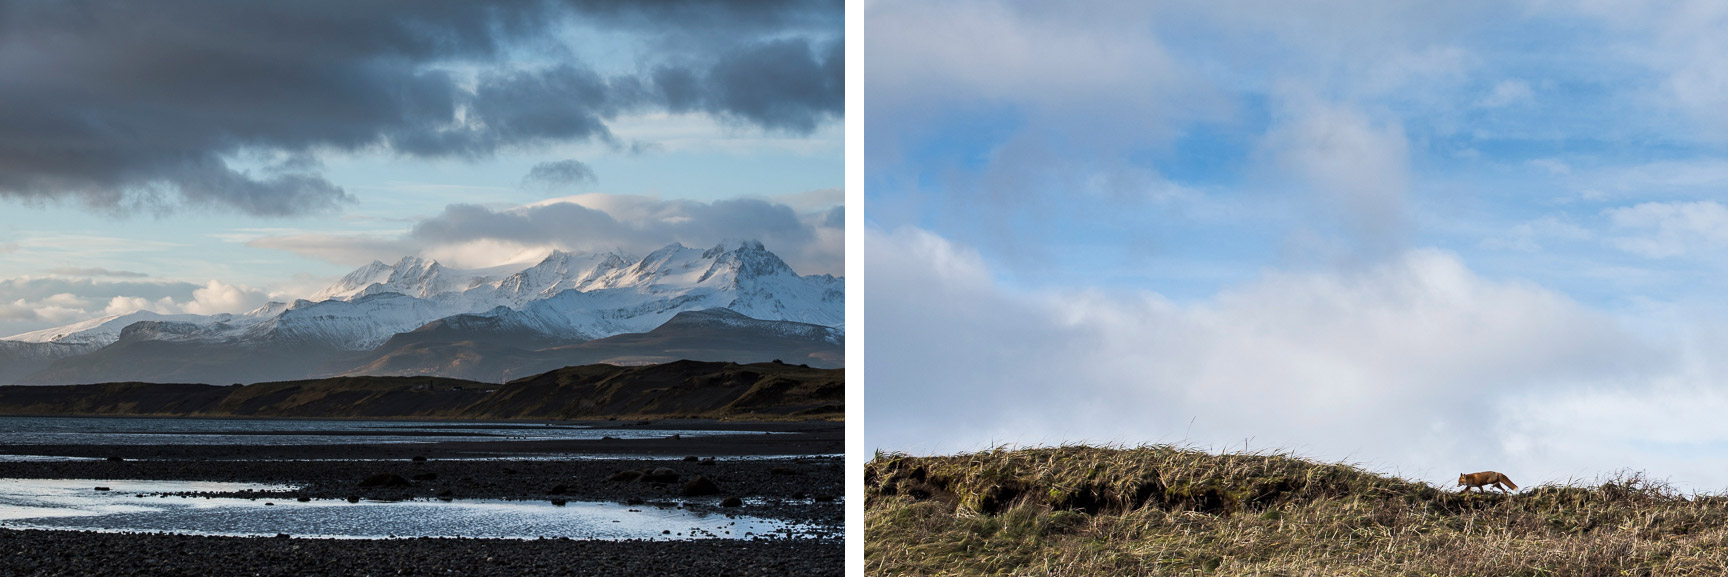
[784,476]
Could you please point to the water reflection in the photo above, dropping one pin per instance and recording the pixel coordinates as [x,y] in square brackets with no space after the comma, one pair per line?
[139,506]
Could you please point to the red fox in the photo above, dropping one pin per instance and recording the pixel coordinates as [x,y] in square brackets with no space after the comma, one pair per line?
[1490,478]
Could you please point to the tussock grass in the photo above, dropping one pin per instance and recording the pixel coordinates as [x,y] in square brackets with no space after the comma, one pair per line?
[1165,510]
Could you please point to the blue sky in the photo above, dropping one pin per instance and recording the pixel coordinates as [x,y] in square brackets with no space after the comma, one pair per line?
[256,153]
[1485,223]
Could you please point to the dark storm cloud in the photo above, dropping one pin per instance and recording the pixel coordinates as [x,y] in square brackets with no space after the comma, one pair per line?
[781,84]
[558,174]
[125,105]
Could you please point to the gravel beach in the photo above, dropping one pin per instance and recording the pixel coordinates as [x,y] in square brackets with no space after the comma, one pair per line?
[85,553]
[784,476]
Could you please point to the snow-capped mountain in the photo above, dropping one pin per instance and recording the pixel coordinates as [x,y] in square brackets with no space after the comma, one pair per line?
[568,296]
[104,330]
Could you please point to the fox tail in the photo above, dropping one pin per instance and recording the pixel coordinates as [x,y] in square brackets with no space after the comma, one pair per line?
[1509,482]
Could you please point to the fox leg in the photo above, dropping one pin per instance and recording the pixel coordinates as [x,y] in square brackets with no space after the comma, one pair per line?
[1502,487]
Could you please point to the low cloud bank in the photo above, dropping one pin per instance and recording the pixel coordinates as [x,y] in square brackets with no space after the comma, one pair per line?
[1416,365]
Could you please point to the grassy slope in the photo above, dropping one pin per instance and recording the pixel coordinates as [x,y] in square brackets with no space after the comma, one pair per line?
[679,389]
[1160,510]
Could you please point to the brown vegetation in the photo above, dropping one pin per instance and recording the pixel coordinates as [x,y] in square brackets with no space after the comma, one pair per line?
[1163,510]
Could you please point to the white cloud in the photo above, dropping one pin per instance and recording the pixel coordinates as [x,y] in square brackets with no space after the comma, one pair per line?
[1416,364]
[1552,165]
[1360,166]
[1667,229]
[1058,72]
[217,297]
[28,304]
[1508,93]
[123,304]
[1058,61]
[1528,236]
[1681,41]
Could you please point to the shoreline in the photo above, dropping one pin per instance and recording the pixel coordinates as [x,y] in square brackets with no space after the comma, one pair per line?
[797,478]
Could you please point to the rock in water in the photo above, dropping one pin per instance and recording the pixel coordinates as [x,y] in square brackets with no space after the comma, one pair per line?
[700,486]
[732,502]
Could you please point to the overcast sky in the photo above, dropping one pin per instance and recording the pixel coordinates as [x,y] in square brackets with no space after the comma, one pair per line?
[201,156]
[1429,237]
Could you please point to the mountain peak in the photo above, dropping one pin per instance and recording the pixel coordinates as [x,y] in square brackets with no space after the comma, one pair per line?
[735,245]
[747,259]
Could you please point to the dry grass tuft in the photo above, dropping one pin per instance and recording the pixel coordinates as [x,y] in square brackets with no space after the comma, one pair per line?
[1164,510]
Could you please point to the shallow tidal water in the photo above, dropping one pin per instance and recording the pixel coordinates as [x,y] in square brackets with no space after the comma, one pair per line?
[76,504]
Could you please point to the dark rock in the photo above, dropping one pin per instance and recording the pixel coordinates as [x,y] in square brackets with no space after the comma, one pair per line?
[353,499]
[660,475]
[708,461]
[426,477]
[385,480]
[116,459]
[101,488]
[824,498]
[732,502]
[558,490]
[634,501]
[625,476]
[304,499]
[691,458]
[282,536]
[700,486]
[559,502]
[419,458]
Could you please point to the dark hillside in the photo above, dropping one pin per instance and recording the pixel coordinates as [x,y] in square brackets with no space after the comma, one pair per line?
[680,389]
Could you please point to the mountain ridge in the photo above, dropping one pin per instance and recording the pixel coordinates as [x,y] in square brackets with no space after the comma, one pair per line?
[539,315]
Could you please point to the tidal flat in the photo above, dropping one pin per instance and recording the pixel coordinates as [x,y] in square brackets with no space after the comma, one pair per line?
[673,497]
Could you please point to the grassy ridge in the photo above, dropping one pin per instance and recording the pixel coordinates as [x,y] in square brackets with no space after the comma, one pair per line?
[1163,510]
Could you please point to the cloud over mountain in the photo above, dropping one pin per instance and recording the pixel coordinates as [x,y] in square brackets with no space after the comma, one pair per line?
[477,236]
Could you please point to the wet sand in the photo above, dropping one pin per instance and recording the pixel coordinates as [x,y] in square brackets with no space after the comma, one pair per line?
[785,476]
